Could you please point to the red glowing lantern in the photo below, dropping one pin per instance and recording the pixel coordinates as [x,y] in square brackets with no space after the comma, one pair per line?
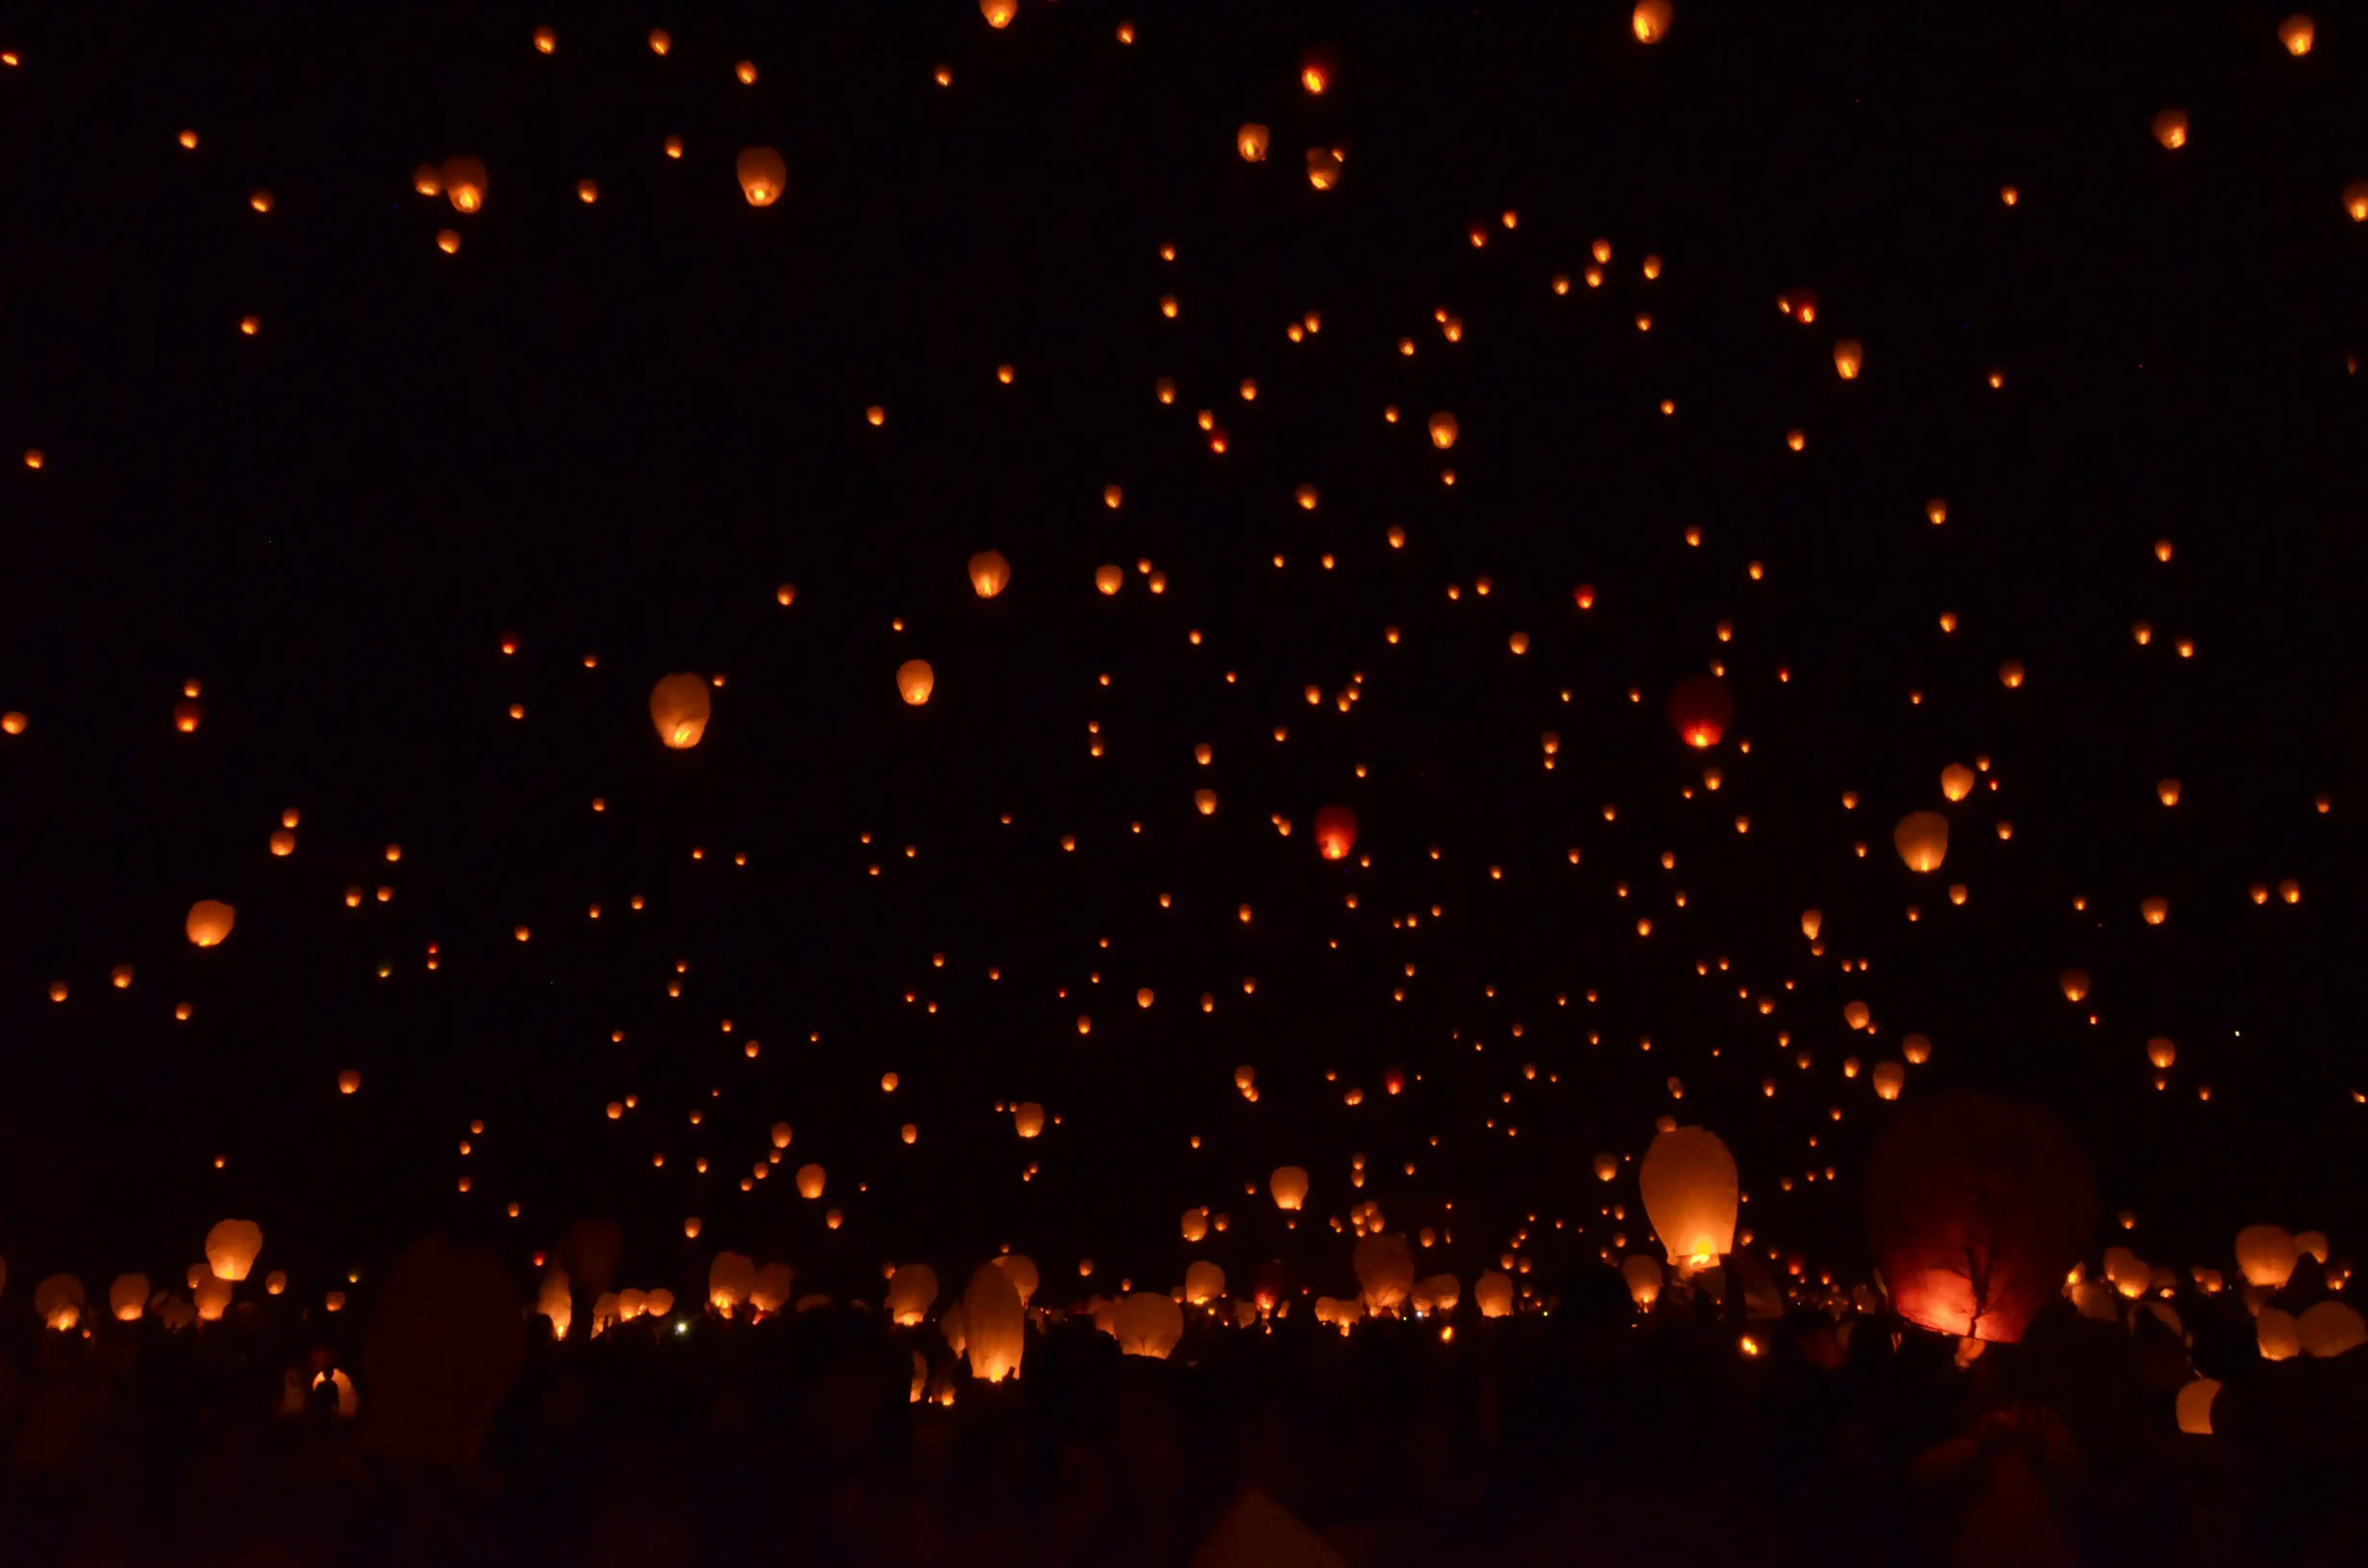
[1976,1209]
[1395,1081]
[1336,832]
[1701,709]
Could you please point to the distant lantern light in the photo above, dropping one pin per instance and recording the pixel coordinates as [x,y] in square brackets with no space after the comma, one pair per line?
[1650,20]
[1251,142]
[915,680]
[2170,127]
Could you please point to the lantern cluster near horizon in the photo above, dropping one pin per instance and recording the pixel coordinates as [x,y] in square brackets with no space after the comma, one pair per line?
[1686,1180]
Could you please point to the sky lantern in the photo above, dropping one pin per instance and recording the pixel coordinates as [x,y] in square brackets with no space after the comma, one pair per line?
[1650,20]
[1701,709]
[210,921]
[1028,1118]
[1956,781]
[58,1301]
[915,680]
[2170,127]
[2075,985]
[2195,1406]
[989,574]
[810,1180]
[1336,832]
[763,176]
[679,707]
[1289,1185]
[1976,1209]
[1849,356]
[1385,1272]
[2330,1328]
[127,1299]
[1323,167]
[998,13]
[911,1288]
[2297,34]
[1195,1224]
[1922,840]
[1890,1078]
[231,1247]
[1493,1291]
[1443,430]
[1109,579]
[1021,1271]
[995,1324]
[2266,1255]
[1642,1271]
[1252,141]
[729,1277]
[1688,1185]
[1147,1323]
[1607,1165]
[1203,1283]
[464,183]
[2355,200]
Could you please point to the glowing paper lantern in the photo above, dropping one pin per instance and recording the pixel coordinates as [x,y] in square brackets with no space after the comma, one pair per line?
[1443,430]
[914,681]
[679,706]
[995,1324]
[2266,1256]
[1146,1323]
[127,1299]
[1650,20]
[231,1247]
[1976,1209]
[1922,840]
[210,921]
[989,574]
[1385,1272]
[1956,781]
[1493,1291]
[1336,832]
[2170,127]
[464,184]
[1203,1283]
[1028,1118]
[1251,142]
[2195,1406]
[1289,1185]
[1849,357]
[810,1179]
[1690,1191]
[1642,1270]
[763,176]
[729,1278]
[2330,1328]
[911,1290]
[1701,709]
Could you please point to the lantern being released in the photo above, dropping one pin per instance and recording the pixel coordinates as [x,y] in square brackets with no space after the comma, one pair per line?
[1336,832]
[1701,709]
[679,706]
[1976,1209]
[1690,1192]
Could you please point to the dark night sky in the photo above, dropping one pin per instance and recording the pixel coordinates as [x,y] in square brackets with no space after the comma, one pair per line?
[615,428]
